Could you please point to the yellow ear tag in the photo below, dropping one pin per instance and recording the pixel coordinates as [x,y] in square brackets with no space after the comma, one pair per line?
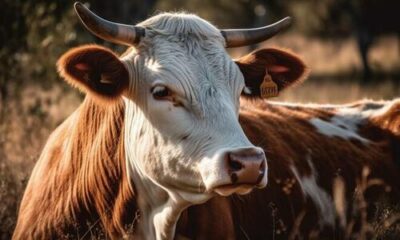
[268,87]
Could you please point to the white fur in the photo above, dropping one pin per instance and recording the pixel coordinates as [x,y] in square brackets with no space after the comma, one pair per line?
[331,129]
[175,153]
[319,196]
[348,119]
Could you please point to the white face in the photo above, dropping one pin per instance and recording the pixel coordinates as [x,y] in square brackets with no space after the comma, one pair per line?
[182,111]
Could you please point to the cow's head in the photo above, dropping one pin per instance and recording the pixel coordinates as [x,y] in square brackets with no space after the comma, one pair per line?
[182,94]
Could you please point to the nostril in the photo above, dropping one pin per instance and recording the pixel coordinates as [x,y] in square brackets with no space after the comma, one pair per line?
[234,165]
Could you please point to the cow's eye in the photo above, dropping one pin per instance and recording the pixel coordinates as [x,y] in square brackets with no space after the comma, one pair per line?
[160,92]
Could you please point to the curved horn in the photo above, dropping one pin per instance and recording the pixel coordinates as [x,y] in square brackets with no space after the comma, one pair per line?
[243,37]
[109,31]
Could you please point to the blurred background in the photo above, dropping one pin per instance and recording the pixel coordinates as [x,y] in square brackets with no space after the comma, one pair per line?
[351,46]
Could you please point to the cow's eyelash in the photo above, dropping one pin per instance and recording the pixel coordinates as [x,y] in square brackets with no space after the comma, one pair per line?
[160,92]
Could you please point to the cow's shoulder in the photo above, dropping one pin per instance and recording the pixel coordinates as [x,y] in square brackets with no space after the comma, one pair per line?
[388,117]
[79,177]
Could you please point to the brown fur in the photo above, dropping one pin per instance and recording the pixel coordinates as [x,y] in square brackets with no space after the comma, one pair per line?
[94,70]
[390,120]
[80,182]
[255,65]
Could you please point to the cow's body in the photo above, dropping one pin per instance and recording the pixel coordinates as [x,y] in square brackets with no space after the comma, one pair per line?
[308,147]
[159,132]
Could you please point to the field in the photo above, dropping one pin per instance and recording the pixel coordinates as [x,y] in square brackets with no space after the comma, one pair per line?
[28,120]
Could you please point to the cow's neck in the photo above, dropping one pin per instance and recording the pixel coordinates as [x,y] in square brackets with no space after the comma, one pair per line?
[92,158]
[159,208]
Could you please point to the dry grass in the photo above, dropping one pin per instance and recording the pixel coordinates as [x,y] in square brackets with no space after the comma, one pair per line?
[358,223]
[27,122]
[24,127]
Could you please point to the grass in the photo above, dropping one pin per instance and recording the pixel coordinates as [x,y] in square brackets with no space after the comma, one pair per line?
[27,121]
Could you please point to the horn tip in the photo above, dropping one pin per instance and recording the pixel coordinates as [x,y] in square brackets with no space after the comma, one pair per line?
[288,20]
[79,7]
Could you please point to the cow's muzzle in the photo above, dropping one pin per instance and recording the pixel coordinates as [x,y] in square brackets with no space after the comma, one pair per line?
[238,171]
[246,166]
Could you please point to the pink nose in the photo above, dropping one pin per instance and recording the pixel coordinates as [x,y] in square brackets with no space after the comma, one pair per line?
[246,166]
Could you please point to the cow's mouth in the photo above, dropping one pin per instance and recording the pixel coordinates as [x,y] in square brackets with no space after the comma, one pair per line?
[242,188]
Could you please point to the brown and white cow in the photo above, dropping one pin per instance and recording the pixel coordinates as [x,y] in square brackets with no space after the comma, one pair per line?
[161,145]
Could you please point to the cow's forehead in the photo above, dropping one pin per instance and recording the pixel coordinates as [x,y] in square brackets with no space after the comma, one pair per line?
[187,52]
[182,24]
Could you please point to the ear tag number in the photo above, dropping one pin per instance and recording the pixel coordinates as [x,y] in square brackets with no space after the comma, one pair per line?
[268,87]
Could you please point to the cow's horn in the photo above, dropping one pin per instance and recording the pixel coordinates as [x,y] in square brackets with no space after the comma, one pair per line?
[109,31]
[243,37]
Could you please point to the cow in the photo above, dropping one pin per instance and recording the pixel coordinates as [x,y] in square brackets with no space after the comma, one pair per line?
[174,141]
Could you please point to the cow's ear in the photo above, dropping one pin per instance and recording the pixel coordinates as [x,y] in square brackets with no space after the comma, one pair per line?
[269,71]
[94,70]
